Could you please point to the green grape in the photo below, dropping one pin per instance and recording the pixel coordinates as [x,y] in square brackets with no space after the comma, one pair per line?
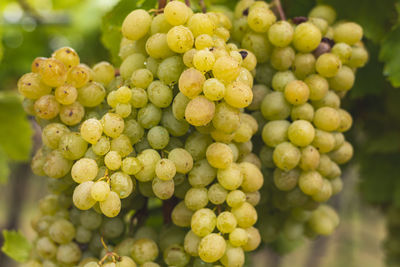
[52,134]
[53,72]
[69,254]
[301,133]
[323,141]
[260,19]
[159,94]
[275,107]
[343,51]
[231,177]
[182,159]
[139,98]
[331,99]
[196,198]
[49,205]
[191,82]
[342,154]
[175,255]
[124,110]
[125,262]
[100,191]
[150,264]
[91,95]
[226,222]
[203,222]
[217,194]
[306,37]
[297,92]
[111,206]
[318,86]
[275,132]
[82,197]
[191,244]
[219,155]
[226,69]
[112,228]
[149,116]
[212,247]
[163,189]
[113,124]
[103,73]
[324,12]
[142,78]
[90,219]
[310,182]
[66,94]
[203,41]
[245,215]
[203,60]
[180,39]
[35,66]
[91,130]
[254,239]
[79,75]
[67,56]
[347,32]
[286,181]
[281,79]
[122,184]
[327,119]
[133,130]
[148,158]
[179,106]
[136,24]
[280,34]
[302,112]
[310,157]
[252,177]
[359,57]
[122,145]
[234,256]
[235,198]
[196,144]
[175,127]
[165,169]
[123,94]
[328,65]
[303,65]
[62,231]
[158,137]
[72,114]
[131,63]
[46,248]
[238,94]
[102,146]
[286,156]
[145,188]
[202,174]
[84,170]
[113,160]
[343,80]
[238,237]
[157,47]
[259,92]
[201,24]
[46,107]
[144,250]
[181,215]
[282,58]
[55,165]
[226,118]
[160,24]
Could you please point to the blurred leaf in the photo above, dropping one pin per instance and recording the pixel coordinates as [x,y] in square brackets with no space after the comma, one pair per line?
[16,246]
[384,143]
[298,8]
[4,169]
[15,130]
[376,17]
[390,54]
[112,21]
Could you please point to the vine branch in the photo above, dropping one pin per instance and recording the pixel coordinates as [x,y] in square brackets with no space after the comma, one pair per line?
[203,6]
[280,9]
[162,4]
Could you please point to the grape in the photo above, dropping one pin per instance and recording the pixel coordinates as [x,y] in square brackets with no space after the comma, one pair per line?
[160,24]
[112,205]
[275,107]
[234,256]
[343,80]
[252,177]
[139,98]
[301,133]
[181,215]
[231,177]
[327,119]
[359,57]
[102,146]
[196,198]
[282,58]
[125,262]
[53,72]
[328,65]
[46,107]
[226,69]
[203,60]
[84,170]
[122,145]
[55,165]
[212,247]
[165,169]
[46,248]
[226,118]
[275,132]
[342,154]
[100,191]
[347,32]
[254,239]
[103,73]
[238,95]
[67,56]
[79,75]
[191,244]
[203,222]
[136,24]
[133,62]
[148,159]
[280,34]
[113,160]
[245,214]
[52,134]
[175,255]
[297,92]
[310,182]
[182,159]
[113,124]
[82,197]
[122,184]
[69,254]
[142,78]
[219,155]
[226,222]
[163,189]
[157,47]
[62,231]
[180,39]
[149,116]
[72,114]
[286,156]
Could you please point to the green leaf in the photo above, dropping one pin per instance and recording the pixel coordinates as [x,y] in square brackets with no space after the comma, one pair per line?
[390,54]
[4,169]
[112,21]
[16,246]
[297,8]
[15,130]
[384,143]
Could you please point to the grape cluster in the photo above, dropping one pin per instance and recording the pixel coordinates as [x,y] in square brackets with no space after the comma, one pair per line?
[307,65]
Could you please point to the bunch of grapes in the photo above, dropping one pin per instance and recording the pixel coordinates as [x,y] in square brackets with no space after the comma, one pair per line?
[306,66]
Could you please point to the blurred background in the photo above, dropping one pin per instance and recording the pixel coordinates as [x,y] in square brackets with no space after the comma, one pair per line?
[31,28]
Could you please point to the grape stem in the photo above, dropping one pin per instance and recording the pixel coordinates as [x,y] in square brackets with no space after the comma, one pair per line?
[162,4]
[167,207]
[187,2]
[203,6]
[280,9]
